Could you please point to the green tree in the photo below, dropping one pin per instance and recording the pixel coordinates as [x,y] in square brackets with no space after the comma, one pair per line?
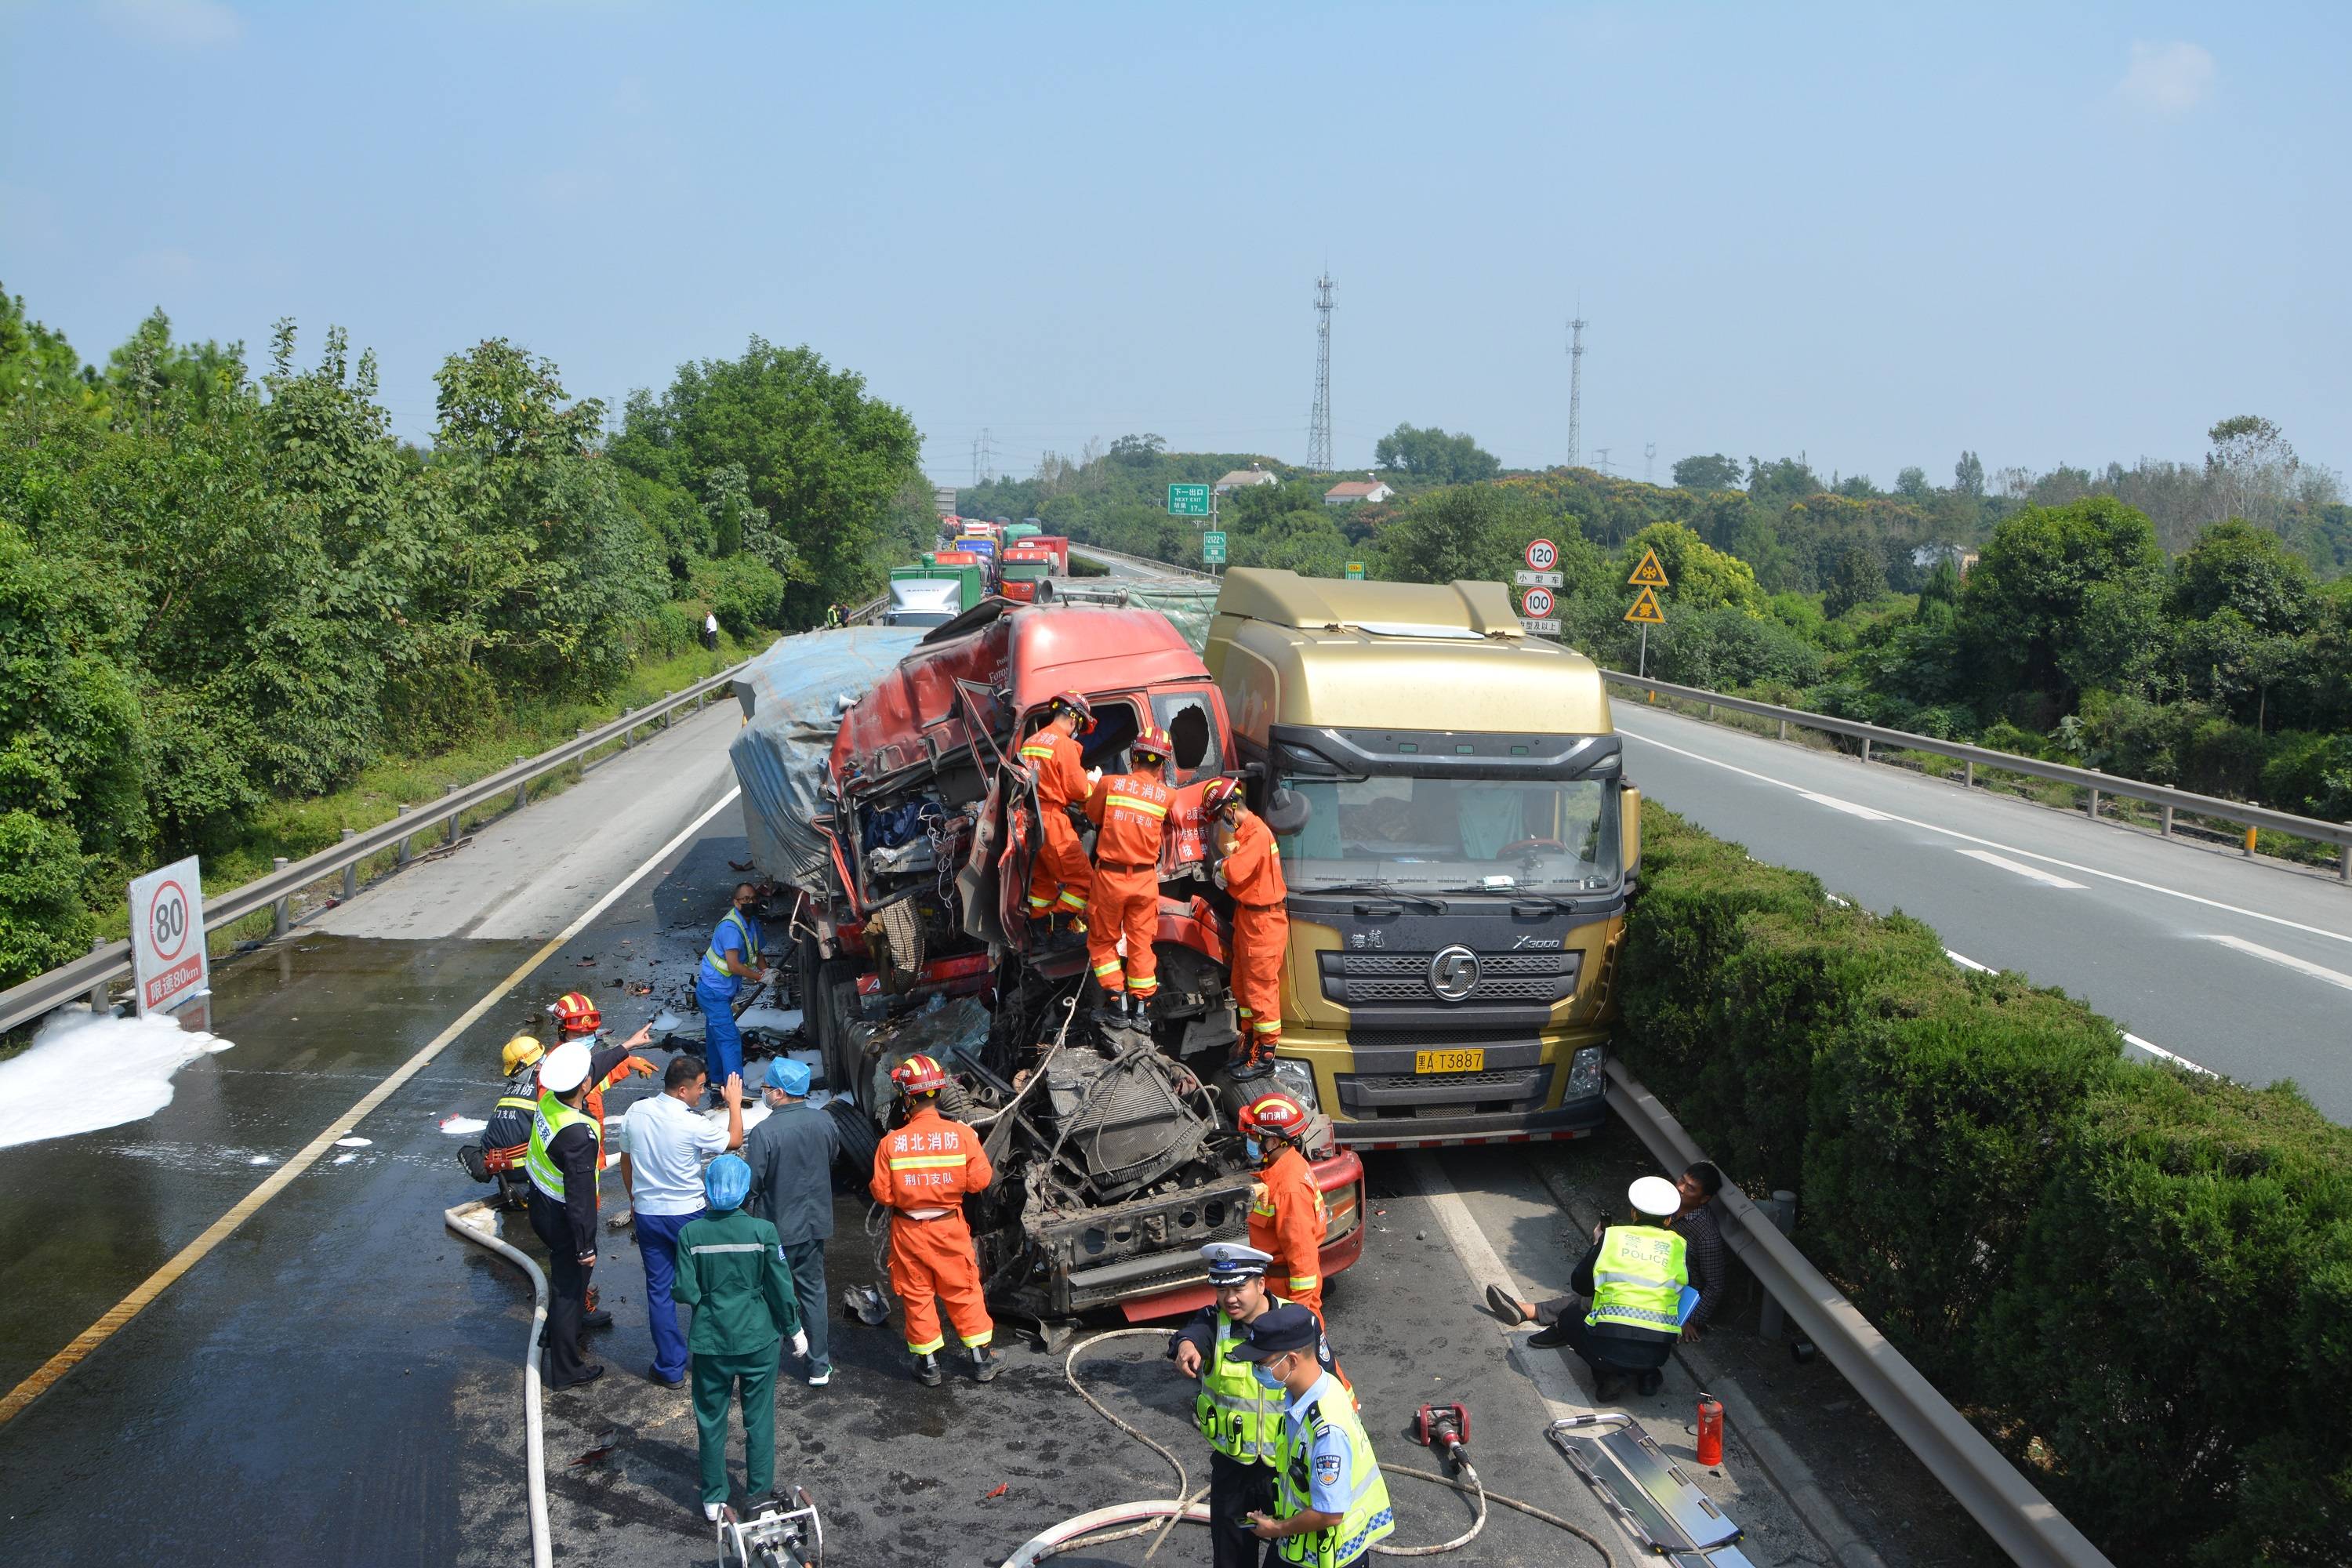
[2237,566]
[1698,576]
[1968,476]
[1431,454]
[1858,576]
[2062,598]
[1713,471]
[1912,482]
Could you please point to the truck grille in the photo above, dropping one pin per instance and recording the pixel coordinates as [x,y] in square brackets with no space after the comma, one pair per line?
[1372,979]
[1375,1096]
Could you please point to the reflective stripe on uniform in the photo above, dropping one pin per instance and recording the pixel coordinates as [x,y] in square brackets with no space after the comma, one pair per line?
[1637,1280]
[1105,970]
[928,1346]
[727,1246]
[926,1161]
[1149,808]
[713,957]
[1301,1283]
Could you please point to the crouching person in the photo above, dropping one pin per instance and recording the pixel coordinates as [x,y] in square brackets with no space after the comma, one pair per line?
[731,1273]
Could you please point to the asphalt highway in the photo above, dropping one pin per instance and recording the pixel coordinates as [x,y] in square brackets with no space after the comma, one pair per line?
[2241,966]
[338,1380]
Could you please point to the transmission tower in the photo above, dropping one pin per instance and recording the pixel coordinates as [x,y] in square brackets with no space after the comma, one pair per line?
[1576,386]
[1601,454]
[983,459]
[1318,424]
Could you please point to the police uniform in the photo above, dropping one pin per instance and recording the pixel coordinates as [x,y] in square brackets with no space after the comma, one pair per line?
[1241,1418]
[1326,1463]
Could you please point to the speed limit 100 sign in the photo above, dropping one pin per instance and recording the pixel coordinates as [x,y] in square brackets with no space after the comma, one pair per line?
[1543,556]
[1537,604]
[167,936]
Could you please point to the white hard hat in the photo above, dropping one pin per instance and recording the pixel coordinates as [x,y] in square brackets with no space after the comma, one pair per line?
[566,1068]
[1653,1196]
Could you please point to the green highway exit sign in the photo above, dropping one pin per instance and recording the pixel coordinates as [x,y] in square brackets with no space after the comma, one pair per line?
[1213,549]
[1188,500]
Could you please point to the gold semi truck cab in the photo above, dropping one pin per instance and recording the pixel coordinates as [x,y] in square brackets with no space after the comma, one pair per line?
[1459,841]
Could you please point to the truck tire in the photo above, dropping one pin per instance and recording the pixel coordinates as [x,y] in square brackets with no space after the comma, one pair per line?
[832,1006]
[858,1138]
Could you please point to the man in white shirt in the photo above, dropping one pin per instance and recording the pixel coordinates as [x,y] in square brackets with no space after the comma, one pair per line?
[665,1142]
[710,630]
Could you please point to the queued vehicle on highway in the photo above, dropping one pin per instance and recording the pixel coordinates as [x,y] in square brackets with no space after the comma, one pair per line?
[1024,566]
[931,595]
[1459,840]
[911,837]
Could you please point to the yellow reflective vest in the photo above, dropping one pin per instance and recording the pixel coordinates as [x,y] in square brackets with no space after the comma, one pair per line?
[1638,1279]
[1241,1417]
[1368,1517]
[551,1118]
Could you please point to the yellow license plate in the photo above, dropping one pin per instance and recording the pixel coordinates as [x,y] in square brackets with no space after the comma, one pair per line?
[1450,1061]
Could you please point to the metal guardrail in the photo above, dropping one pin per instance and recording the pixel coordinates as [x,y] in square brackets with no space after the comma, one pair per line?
[103,966]
[2021,1520]
[1158,568]
[2160,795]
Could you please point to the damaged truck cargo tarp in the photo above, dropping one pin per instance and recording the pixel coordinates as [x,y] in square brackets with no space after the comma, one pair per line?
[792,698]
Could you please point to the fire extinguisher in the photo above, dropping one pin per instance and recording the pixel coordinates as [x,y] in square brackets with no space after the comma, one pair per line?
[1710,1429]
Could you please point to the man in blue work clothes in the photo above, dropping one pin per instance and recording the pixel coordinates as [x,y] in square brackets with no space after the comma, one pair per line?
[1329,1502]
[732,957]
[791,1155]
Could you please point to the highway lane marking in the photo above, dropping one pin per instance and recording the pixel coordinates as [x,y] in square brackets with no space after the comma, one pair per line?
[2011,848]
[188,1257]
[2034,873]
[2150,1046]
[2284,960]
[1554,1385]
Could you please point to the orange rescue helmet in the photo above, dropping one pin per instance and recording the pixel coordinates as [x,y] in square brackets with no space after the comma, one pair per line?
[1154,741]
[1074,703]
[1219,796]
[575,1014]
[919,1074]
[1273,1115]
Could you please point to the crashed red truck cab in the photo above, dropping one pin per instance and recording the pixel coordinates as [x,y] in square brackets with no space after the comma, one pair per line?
[1117,1146]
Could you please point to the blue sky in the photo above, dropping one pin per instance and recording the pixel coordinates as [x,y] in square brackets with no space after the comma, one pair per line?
[1871,234]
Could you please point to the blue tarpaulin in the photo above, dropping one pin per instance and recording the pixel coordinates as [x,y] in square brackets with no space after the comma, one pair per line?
[792,698]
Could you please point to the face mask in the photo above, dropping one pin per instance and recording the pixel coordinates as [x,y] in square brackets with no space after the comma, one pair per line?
[1266,1379]
[1249,1146]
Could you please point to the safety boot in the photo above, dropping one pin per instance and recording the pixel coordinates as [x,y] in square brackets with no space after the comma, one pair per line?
[985,1364]
[926,1370]
[1111,1011]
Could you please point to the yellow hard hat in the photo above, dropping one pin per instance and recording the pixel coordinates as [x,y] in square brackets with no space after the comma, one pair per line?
[520,1051]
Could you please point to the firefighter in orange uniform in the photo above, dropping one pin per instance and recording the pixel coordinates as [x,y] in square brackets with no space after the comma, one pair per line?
[923,1171]
[1286,1214]
[1130,812]
[1060,880]
[1250,868]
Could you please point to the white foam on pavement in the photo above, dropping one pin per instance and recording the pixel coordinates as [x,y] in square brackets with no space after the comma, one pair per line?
[45,1092]
[354,1143]
[462,1126]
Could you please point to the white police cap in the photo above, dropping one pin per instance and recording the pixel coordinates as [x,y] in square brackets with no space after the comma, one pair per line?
[1230,1262]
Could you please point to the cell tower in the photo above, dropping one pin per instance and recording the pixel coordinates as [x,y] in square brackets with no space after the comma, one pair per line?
[1318,424]
[1576,386]
[1649,462]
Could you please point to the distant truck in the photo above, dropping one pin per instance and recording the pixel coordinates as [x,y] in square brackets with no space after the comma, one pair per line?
[1459,839]
[1030,563]
[934,594]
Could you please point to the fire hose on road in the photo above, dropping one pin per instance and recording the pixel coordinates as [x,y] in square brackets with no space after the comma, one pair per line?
[1121,1520]
[472,1221]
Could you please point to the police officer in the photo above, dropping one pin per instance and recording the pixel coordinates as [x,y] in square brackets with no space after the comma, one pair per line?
[566,1150]
[1329,1504]
[1240,1416]
[1635,1275]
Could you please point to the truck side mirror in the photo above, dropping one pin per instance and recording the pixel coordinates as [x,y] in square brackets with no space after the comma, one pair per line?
[1286,810]
[1629,826]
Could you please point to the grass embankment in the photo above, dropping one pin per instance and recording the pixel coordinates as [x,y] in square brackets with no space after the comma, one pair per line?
[295,828]
[2135,1279]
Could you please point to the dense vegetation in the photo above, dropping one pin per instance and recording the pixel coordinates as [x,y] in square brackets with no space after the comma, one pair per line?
[2186,624]
[220,592]
[2133,1278]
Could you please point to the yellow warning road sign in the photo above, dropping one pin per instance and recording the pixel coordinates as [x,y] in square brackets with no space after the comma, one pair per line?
[1648,575]
[1645,609]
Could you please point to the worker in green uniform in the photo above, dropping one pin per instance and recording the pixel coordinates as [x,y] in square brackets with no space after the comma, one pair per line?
[1329,1502]
[731,1272]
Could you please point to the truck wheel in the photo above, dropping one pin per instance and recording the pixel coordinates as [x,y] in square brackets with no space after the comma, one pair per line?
[858,1136]
[830,1007]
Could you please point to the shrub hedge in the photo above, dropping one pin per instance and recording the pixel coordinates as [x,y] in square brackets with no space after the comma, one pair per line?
[2138,1281]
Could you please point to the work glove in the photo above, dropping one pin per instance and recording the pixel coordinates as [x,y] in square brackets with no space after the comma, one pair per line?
[1094,775]
[800,1341]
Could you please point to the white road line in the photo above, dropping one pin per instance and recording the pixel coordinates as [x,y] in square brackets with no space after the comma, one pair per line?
[2033,872]
[2284,960]
[1850,808]
[2011,848]
[1554,1385]
[2149,1046]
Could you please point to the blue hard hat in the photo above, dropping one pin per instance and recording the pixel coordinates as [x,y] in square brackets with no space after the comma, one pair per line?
[725,1182]
[791,1076]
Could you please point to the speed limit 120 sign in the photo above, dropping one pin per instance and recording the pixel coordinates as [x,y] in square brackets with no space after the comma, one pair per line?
[1543,556]
[167,937]
[1537,605]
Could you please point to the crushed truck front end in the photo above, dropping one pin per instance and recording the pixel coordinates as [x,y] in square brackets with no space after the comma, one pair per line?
[1458,839]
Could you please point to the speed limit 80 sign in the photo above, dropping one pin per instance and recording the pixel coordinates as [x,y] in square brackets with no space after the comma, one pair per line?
[168,959]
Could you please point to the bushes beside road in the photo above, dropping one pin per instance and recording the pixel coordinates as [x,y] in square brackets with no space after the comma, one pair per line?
[2136,1280]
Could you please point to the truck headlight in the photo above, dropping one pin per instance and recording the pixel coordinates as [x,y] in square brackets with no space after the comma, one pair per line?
[1583,1075]
[1297,1080]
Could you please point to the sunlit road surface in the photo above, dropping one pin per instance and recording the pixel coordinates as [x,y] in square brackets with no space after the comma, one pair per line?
[2242,966]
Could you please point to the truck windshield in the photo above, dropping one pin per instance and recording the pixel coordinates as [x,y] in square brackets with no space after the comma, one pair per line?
[1460,835]
[1026,570]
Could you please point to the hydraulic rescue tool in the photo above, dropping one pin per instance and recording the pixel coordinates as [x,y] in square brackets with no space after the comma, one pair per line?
[777,1535]
[1446,1429]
